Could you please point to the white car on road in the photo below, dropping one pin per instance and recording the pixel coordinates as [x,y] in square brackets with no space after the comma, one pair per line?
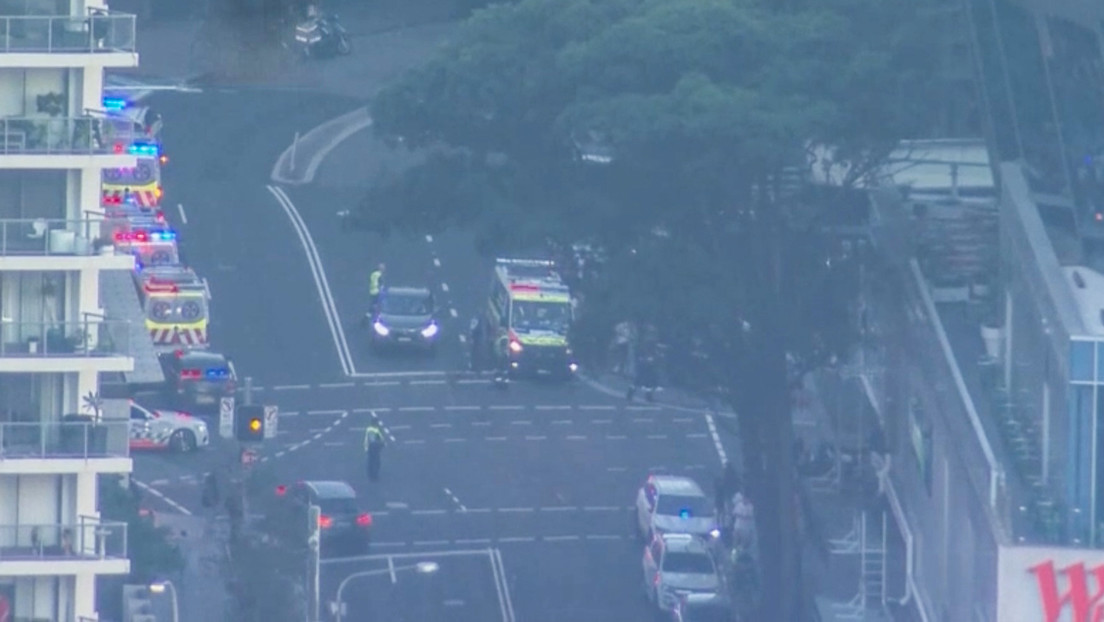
[678,565]
[672,504]
[166,429]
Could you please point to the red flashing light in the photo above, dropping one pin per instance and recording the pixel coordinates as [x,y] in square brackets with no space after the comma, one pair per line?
[178,353]
[281,490]
[325,522]
[140,237]
[189,374]
[119,148]
[532,289]
[364,520]
[161,287]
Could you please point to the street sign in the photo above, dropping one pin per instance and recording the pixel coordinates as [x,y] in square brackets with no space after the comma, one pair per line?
[226,417]
[271,414]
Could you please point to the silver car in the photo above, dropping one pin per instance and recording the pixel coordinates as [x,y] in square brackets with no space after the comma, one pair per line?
[678,565]
[672,504]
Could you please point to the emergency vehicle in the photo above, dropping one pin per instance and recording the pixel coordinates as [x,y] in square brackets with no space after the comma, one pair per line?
[528,317]
[150,240]
[175,301]
[139,185]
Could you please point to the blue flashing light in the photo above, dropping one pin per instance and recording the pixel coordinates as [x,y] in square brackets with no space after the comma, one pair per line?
[115,104]
[164,235]
[684,513]
[144,150]
[218,374]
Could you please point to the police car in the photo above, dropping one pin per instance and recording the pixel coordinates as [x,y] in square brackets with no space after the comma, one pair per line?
[166,429]
[673,504]
[198,378]
[679,565]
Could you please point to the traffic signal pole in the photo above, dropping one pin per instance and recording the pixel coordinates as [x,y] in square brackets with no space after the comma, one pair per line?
[314,516]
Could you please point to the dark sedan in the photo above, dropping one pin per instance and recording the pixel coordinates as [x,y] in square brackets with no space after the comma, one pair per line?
[405,317]
[198,379]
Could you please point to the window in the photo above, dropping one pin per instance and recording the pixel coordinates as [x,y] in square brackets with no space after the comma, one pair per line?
[137,414]
[1081,361]
[677,505]
[690,563]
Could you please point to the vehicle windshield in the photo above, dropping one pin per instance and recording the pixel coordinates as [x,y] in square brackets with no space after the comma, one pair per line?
[337,506]
[689,563]
[405,304]
[684,506]
[534,315]
[146,172]
[176,310]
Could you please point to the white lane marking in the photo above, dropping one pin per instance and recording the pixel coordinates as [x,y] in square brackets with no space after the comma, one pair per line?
[601,508]
[536,438]
[454,313]
[429,238]
[494,438]
[425,382]
[513,539]
[318,272]
[436,262]
[560,538]
[463,407]
[712,425]
[643,420]
[576,437]
[157,493]
[430,542]
[601,421]
[657,437]
[428,512]
[562,422]
[479,510]
[415,409]
[639,408]
[506,407]
[466,541]
[560,508]
[455,499]
[496,555]
[519,422]
[456,440]
[515,510]
[440,425]
[395,427]
[290,413]
[281,454]
[697,435]
[556,407]
[463,339]
[333,444]
[601,537]
[319,435]
[597,408]
[615,437]
[291,387]
[183,216]
[325,412]
[336,385]
[159,482]
[444,287]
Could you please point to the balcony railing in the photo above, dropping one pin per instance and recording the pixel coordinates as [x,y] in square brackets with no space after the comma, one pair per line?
[90,337]
[87,538]
[63,439]
[83,135]
[49,236]
[98,32]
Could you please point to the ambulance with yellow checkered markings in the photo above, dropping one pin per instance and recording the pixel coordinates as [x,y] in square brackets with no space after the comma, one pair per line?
[528,318]
[176,304]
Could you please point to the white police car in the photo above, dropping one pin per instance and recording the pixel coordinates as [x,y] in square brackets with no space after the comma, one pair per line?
[672,504]
[166,429]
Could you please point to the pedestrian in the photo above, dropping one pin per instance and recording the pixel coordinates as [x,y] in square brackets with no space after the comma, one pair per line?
[726,486]
[646,378]
[502,361]
[375,284]
[210,495]
[373,449]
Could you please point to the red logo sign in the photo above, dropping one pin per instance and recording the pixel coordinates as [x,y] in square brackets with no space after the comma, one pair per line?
[1083,606]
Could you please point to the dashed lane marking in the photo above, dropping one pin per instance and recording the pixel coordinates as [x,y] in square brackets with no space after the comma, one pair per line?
[587,407]
[712,425]
[553,407]
[444,287]
[429,238]
[615,437]
[506,407]
[576,437]
[427,382]
[333,444]
[436,262]
[160,495]
[427,512]
[416,409]
[516,510]
[457,408]
[495,438]
[512,539]
[325,412]
[536,438]
[643,420]
[438,426]
[657,437]
[159,482]
[601,421]
[455,500]
[521,422]
[337,385]
[456,440]
[291,387]
[697,436]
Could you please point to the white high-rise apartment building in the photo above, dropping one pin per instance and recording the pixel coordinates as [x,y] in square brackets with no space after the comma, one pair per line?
[54,340]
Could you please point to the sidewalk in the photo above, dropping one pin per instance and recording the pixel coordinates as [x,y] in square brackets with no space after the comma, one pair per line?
[202,585]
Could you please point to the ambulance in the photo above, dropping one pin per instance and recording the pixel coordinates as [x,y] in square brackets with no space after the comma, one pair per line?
[529,315]
[176,305]
[140,185]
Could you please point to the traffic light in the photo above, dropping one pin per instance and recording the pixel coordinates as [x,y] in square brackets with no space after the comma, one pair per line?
[249,424]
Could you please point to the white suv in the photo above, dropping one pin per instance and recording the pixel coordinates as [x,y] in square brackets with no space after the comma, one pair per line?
[676,565]
[671,504]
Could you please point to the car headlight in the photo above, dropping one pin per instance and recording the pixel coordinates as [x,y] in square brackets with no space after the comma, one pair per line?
[429,331]
[715,533]
[515,346]
[380,329]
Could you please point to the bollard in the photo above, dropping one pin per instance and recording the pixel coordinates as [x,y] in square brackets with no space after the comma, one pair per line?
[247,391]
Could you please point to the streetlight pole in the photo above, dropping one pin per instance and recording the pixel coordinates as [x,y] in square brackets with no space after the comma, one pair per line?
[421,568]
[163,586]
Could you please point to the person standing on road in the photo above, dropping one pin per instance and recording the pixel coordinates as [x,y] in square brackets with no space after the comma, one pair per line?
[375,283]
[373,449]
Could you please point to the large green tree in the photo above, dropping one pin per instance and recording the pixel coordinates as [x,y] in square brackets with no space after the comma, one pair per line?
[702,110]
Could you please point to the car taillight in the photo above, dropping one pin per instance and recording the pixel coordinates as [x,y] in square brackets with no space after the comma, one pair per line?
[364,520]
[189,374]
[325,522]
[281,490]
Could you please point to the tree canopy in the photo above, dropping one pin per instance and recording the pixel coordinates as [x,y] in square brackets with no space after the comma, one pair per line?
[671,133]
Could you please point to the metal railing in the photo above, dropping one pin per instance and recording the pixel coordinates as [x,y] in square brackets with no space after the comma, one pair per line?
[81,135]
[73,439]
[90,337]
[98,32]
[50,236]
[87,538]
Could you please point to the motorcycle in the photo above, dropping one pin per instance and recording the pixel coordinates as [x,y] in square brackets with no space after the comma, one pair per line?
[320,36]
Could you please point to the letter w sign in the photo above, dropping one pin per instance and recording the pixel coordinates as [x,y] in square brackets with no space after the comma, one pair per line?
[1074,596]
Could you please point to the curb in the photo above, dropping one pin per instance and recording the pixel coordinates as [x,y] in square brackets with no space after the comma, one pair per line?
[350,123]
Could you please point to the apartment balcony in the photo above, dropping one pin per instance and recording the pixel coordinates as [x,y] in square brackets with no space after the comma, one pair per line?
[45,244]
[103,38]
[87,545]
[90,344]
[74,445]
[86,141]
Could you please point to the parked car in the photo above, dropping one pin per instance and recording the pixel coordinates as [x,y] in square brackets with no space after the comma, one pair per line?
[678,565]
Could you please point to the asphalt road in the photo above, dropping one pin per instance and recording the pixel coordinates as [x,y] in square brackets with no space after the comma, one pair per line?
[542,473]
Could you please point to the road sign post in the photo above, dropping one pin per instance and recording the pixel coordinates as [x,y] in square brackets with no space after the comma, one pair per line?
[226,417]
[271,415]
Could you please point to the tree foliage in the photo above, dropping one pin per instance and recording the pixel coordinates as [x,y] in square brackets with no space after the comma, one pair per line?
[702,107]
[152,555]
